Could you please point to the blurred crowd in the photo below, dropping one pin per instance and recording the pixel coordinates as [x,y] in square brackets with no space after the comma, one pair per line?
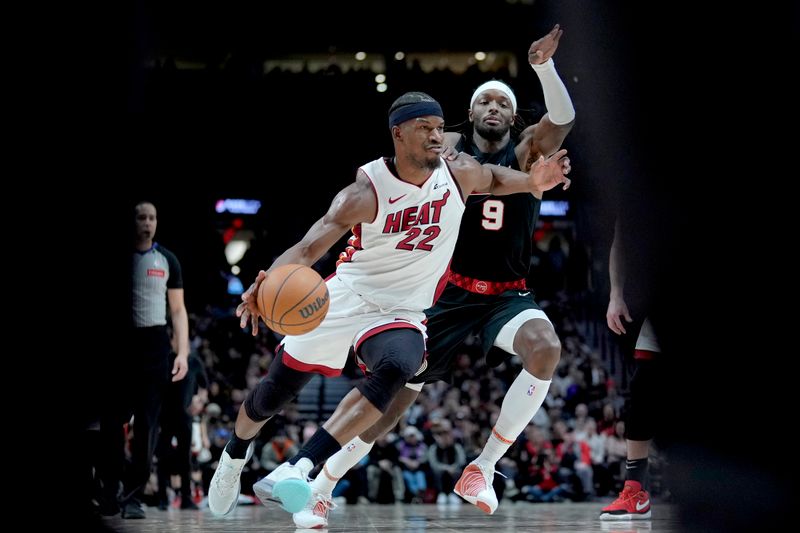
[573,448]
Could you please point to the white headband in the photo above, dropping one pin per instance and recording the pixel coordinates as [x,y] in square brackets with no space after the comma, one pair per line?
[498,86]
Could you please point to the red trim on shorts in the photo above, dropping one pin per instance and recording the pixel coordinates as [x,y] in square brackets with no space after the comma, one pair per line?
[361,366]
[479,286]
[300,366]
[332,274]
[644,355]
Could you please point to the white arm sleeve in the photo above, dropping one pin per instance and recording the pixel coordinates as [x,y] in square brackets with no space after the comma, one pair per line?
[556,98]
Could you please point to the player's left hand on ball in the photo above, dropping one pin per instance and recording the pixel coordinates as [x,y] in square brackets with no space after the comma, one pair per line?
[247,311]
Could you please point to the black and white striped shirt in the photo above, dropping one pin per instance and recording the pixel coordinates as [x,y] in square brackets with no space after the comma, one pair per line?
[154,271]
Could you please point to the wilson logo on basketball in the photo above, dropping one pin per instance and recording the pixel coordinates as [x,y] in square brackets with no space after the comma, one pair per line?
[314,306]
[293,299]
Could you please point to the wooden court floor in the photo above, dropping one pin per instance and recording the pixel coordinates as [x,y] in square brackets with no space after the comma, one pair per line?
[519,517]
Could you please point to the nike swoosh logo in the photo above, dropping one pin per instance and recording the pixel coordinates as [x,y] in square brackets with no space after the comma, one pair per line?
[393,200]
[439,185]
[524,293]
[642,505]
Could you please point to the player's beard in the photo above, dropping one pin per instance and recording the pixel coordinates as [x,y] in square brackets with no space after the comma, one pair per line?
[492,134]
[432,163]
[429,162]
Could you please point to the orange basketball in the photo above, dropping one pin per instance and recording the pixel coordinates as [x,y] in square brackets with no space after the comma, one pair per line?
[293,299]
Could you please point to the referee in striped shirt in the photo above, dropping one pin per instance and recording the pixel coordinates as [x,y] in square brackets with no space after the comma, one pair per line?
[157,285]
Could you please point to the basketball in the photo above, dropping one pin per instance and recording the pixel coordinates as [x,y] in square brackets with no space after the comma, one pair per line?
[293,299]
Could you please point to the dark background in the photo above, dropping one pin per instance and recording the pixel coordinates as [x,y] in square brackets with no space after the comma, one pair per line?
[293,141]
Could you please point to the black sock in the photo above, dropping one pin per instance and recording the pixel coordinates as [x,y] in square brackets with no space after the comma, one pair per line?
[237,447]
[186,486]
[318,448]
[636,470]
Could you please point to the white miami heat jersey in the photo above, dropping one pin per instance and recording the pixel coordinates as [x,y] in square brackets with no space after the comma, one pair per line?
[401,257]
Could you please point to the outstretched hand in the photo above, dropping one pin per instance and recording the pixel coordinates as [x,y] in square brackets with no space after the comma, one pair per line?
[547,173]
[543,49]
[247,311]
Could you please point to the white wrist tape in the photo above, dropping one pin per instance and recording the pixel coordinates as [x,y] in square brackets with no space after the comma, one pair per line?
[556,98]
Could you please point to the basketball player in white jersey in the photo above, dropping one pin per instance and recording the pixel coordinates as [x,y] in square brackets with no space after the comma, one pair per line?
[405,212]
[486,293]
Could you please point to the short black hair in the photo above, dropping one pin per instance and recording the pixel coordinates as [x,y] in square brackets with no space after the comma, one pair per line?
[413,97]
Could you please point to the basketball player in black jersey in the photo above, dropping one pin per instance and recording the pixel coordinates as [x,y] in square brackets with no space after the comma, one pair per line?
[486,292]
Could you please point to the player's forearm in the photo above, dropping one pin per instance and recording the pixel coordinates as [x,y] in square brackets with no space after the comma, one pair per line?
[319,239]
[509,181]
[300,254]
[556,98]
[303,253]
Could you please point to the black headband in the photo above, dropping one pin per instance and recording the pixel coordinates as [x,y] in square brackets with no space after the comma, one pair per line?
[418,109]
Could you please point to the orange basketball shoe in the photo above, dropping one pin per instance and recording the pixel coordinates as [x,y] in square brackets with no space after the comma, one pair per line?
[315,513]
[633,503]
[475,486]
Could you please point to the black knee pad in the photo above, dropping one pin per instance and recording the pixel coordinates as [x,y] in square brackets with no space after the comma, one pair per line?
[645,403]
[392,357]
[279,387]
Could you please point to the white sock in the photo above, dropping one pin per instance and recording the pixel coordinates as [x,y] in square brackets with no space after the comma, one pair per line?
[338,464]
[523,399]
